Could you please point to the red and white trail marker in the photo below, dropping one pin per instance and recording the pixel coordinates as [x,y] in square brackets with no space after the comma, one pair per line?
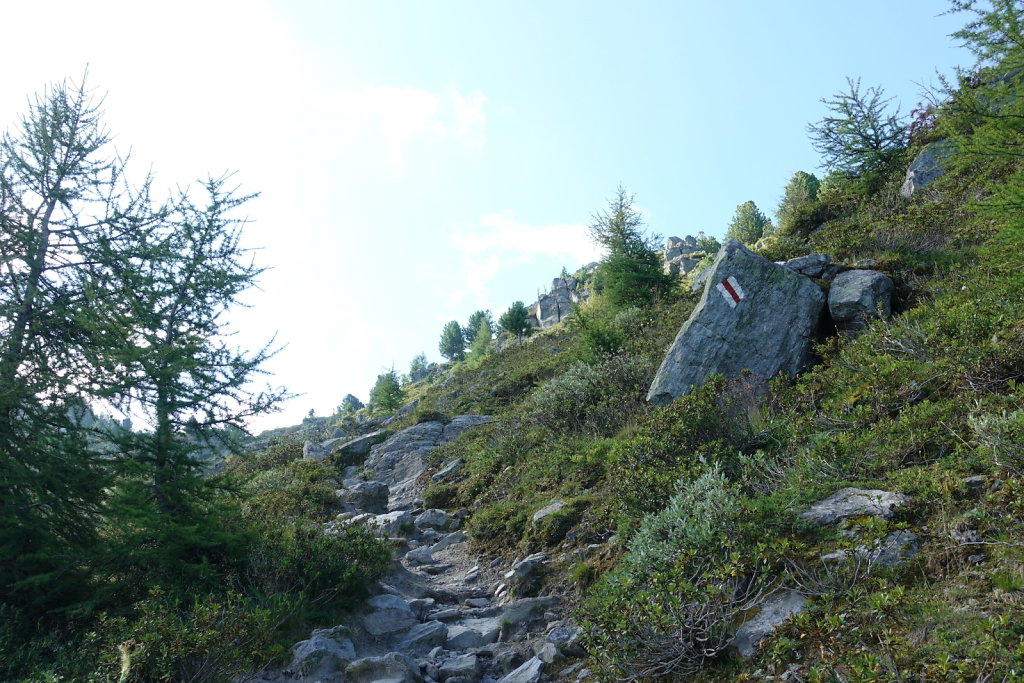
[731,291]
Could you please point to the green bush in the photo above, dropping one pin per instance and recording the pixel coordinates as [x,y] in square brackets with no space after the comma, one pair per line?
[669,607]
[782,247]
[216,637]
[671,441]
[440,496]
[331,569]
[302,489]
[499,522]
[594,399]
[693,519]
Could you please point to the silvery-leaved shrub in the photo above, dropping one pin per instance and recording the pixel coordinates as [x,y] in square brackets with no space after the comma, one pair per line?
[592,398]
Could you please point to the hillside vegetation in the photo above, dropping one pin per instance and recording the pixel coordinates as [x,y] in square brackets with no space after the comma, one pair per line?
[675,518]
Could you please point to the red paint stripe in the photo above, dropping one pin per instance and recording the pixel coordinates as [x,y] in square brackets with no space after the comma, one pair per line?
[732,292]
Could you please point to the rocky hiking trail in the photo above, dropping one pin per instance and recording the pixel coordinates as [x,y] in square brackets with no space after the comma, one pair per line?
[443,614]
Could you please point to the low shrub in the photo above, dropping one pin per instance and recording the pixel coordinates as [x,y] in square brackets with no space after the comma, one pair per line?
[216,637]
[331,569]
[676,440]
[440,496]
[498,522]
[593,399]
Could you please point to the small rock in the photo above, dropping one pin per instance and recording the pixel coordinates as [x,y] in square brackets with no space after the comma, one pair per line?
[366,496]
[549,654]
[443,614]
[478,602]
[812,265]
[463,638]
[773,611]
[448,469]
[391,614]
[393,666]
[528,672]
[421,606]
[896,548]
[392,524]
[420,556]
[421,638]
[552,508]
[320,656]
[495,562]
[463,665]
[857,296]
[976,484]
[964,535]
[566,639]
[508,660]
[433,519]
[570,670]
[449,540]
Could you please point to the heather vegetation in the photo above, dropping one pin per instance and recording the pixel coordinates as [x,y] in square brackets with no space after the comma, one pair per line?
[676,520]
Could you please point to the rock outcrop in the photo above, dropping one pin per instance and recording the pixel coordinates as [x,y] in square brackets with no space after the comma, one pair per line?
[927,167]
[754,316]
[399,461]
[552,307]
[681,255]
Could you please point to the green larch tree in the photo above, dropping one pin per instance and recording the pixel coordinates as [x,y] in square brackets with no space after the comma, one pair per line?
[387,395]
[453,341]
[631,272]
[516,320]
[748,224]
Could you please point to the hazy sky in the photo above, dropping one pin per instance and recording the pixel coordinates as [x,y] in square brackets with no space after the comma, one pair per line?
[419,160]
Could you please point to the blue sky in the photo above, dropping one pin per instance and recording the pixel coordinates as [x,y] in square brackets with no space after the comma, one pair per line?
[419,160]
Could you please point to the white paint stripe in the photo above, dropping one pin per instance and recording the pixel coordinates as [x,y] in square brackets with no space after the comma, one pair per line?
[726,295]
[736,287]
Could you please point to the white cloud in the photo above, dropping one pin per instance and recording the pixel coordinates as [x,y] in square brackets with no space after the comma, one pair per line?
[505,233]
[404,114]
[502,241]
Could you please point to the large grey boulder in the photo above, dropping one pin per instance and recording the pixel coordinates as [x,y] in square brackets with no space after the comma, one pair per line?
[754,315]
[774,610]
[399,461]
[927,167]
[857,296]
[851,502]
